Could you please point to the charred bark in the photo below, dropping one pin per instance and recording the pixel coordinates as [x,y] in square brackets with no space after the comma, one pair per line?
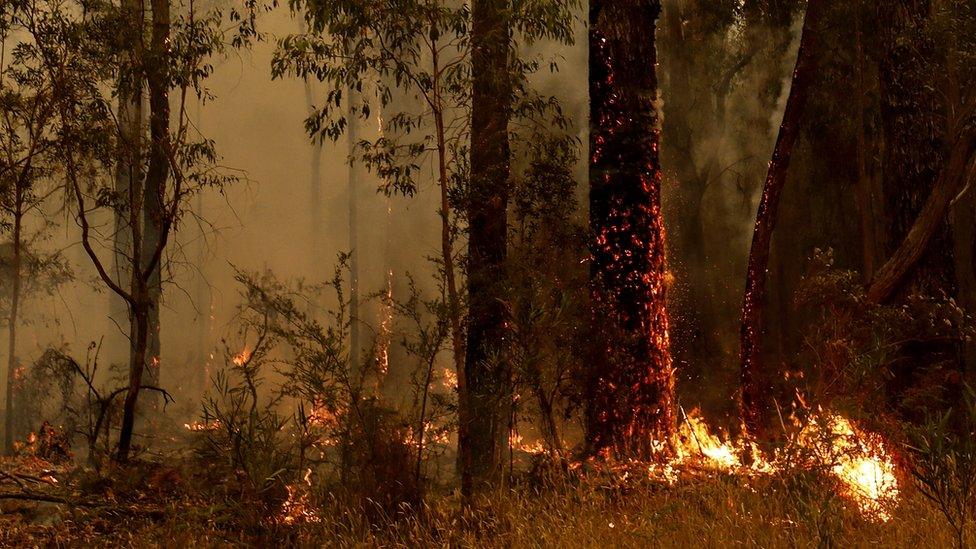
[755,375]
[487,371]
[631,402]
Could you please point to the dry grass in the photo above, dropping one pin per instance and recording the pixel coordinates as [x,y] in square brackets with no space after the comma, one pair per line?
[710,511]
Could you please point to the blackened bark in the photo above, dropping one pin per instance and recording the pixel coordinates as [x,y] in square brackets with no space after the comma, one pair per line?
[487,372]
[631,402]
[757,386]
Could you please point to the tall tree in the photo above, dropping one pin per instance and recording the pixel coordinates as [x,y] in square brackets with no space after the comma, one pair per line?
[930,138]
[352,134]
[487,372]
[157,72]
[85,56]
[28,177]
[631,406]
[129,165]
[716,57]
[756,377]
[928,120]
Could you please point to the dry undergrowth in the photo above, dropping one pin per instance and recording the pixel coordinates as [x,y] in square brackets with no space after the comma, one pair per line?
[164,506]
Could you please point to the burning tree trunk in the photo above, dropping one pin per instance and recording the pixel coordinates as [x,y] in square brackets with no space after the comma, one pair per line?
[756,379]
[487,372]
[631,405]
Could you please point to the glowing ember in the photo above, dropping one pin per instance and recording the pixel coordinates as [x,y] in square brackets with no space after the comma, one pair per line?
[450,379]
[202,425]
[242,357]
[386,328]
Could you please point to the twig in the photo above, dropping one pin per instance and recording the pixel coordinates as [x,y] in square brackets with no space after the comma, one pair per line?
[33,496]
[692,429]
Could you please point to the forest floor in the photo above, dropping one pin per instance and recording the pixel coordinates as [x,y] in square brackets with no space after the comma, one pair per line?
[173,503]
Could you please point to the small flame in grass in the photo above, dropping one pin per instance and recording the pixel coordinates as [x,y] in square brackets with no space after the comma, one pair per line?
[202,425]
[516,442]
[297,509]
[857,459]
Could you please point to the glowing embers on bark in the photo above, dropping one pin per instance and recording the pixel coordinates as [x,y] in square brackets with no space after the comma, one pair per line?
[632,408]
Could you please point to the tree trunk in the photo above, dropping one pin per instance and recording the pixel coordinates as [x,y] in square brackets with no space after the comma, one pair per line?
[315,187]
[147,257]
[12,320]
[355,344]
[487,370]
[128,171]
[631,401]
[447,263]
[915,163]
[156,176]
[953,177]
[757,387]
[867,186]
[139,332]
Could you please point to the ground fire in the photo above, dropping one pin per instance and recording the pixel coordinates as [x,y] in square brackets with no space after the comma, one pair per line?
[488,273]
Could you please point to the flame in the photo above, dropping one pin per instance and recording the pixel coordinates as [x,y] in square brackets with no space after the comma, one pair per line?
[450,379]
[858,460]
[386,331]
[202,425]
[516,442]
[242,357]
[297,508]
[432,435]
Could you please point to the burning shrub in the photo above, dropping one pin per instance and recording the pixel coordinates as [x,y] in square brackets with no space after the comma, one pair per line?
[290,416]
[45,392]
[378,458]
